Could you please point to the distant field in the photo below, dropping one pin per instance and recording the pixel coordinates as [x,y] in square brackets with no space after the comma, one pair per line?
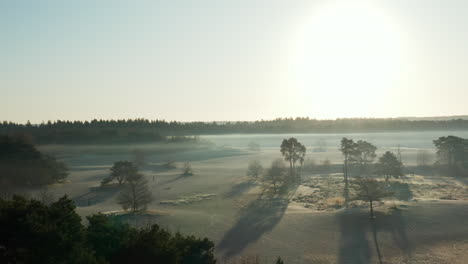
[221,203]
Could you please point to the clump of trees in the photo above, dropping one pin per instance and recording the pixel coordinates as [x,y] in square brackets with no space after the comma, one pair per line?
[55,234]
[21,164]
[452,154]
[255,169]
[135,194]
[389,166]
[293,151]
[276,175]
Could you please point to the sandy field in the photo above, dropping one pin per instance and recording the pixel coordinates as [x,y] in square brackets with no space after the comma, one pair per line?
[425,221]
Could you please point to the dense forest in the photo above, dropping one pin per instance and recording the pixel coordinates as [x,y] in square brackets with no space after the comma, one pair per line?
[144,130]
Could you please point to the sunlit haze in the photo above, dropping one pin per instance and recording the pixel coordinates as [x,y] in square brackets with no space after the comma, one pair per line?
[232,60]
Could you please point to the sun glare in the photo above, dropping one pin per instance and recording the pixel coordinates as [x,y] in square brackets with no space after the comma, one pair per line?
[347,53]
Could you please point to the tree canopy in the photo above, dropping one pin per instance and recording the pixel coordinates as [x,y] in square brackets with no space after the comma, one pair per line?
[389,166]
[32,232]
[292,151]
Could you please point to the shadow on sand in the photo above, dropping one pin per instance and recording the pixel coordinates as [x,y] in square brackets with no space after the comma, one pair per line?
[239,189]
[257,218]
[355,229]
[96,195]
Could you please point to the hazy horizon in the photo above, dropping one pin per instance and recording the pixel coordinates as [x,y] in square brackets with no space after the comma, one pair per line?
[241,60]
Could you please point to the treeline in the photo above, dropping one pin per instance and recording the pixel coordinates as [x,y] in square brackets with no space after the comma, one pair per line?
[21,164]
[144,130]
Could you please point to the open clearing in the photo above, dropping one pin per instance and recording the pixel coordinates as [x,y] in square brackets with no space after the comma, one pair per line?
[302,226]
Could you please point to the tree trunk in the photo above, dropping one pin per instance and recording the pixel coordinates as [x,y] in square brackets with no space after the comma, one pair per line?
[346,187]
[290,168]
[371,209]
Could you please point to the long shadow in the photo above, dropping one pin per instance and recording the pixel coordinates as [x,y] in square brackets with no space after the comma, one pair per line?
[239,189]
[257,218]
[354,246]
[180,177]
[400,190]
[95,195]
[395,224]
[355,225]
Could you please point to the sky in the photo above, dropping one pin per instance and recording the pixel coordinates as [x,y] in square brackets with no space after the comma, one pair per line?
[232,60]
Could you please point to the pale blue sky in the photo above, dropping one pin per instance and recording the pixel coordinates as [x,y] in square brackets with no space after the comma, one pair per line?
[232,60]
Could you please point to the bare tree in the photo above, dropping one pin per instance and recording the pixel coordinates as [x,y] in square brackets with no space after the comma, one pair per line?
[275,175]
[187,169]
[255,169]
[136,194]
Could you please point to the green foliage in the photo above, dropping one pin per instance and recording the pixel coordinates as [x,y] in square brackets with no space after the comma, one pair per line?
[389,166]
[31,232]
[106,235]
[22,164]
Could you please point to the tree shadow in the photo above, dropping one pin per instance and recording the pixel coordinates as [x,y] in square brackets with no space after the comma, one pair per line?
[355,226]
[95,195]
[239,189]
[256,219]
[400,190]
[178,178]
[353,246]
[396,225]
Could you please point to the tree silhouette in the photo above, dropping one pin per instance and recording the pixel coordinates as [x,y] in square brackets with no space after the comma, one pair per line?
[348,148]
[363,155]
[452,151]
[292,151]
[135,195]
[121,171]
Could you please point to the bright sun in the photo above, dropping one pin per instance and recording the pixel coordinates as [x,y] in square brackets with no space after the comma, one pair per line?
[346,59]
